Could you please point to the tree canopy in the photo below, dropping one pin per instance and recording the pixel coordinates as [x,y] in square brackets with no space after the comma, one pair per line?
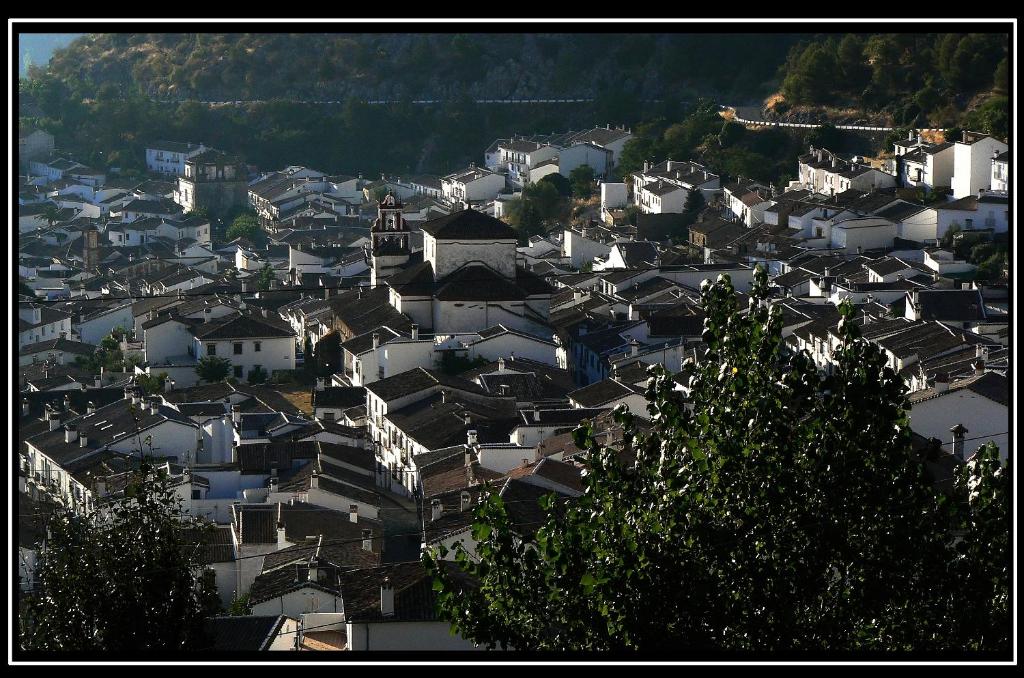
[245,226]
[213,369]
[770,508]
[125,579]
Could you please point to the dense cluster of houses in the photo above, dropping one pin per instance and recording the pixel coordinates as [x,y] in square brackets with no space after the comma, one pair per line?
[456,354]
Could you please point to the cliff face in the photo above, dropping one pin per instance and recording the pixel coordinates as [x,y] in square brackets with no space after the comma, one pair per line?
[396,65]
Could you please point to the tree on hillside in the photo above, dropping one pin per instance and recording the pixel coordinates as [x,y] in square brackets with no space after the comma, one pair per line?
[559,182]
[126,579]
[770,508]
[213,369]
[582,181]
[539,206]
[151,384]
[244,226]
[50,214]
[266,277]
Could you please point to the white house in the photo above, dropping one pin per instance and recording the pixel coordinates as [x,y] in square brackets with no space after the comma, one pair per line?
[519,156]
[93,327]
[168,157]
[40,323]
[249,340]
[972,163]
[471,185]
[663,188]
[987,210]
[1001,172]
[964,414]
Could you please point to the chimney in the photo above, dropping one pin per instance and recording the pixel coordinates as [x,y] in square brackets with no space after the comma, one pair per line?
[90,408]
[634,346]
[236,414]
[915,304]
[314,480]
[83,441]
[387,598]
[464,500]
[353,513]
[501,364]
[282,542]
[414,330]
[367,540]
[536,414]
[24,407]
[941,382]
[314,571]
[273,481]
[435,509]
[168,384]
[53,418]
[319,383]
[154,406]
[67,403]
[70,433]
[979,366]
[376,340]
[444,396]
[958,432]
[471,441]
[97,381]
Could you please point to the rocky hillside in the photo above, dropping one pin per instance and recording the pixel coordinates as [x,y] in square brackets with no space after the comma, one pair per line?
[396,65]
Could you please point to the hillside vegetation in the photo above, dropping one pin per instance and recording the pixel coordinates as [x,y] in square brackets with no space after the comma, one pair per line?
[911,80]
[233,66]
[106,96]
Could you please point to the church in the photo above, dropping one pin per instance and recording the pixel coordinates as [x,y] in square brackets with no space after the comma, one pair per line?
[465,278]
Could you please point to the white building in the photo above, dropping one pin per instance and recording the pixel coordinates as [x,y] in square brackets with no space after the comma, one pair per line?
[471,185]
[972,163]
[168,157]
[249,340]
[663,188]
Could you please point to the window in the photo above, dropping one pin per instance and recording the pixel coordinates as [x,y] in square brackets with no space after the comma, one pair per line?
[257,346]
[238,371]
[968,223]
[328,415]
[238,348]
[211,349]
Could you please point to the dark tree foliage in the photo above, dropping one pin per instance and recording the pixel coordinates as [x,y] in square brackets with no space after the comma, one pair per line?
[213,369]
[265,277]
[245,226]
[151,383]
[127,578]
[559,182]
[918,78]
[771,508]
[582,181]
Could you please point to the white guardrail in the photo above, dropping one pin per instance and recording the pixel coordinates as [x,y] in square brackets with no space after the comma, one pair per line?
[768,123]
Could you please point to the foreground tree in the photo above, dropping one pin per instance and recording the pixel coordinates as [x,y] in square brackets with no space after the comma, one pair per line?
[125,579]
[770,508]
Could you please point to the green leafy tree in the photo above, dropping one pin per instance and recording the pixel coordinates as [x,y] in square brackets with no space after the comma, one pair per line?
[244,226]
[582,181]
[240,607]
[257,375]
[559,182]
[266,277]
[151,383]
[125,579]
[50,214]
[770,508]
[213,369]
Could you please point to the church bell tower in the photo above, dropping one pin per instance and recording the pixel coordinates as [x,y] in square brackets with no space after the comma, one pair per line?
[389,235]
